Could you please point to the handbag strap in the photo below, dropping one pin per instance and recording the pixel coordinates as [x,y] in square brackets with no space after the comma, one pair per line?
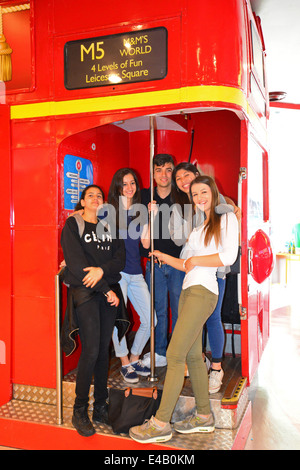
[142,392]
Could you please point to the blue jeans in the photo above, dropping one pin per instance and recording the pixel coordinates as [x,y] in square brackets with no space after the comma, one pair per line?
[166,280]
[135,288]
[214,326]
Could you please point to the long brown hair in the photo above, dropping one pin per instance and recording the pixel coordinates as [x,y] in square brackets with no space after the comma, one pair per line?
[116,187]
[116,190]
[213,226]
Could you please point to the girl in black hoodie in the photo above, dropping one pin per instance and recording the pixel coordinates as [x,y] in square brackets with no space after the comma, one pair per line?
[94,260]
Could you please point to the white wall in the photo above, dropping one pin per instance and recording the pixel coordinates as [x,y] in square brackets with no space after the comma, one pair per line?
[284,145]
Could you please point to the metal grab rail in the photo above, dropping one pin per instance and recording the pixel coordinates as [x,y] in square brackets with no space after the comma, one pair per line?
[152,376]
[59,401]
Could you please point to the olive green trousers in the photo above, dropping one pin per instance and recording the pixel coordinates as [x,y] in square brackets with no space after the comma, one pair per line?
[196,304]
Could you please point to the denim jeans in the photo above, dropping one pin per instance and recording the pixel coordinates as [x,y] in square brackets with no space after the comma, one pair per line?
[135,289]
[214,326]
[167,280]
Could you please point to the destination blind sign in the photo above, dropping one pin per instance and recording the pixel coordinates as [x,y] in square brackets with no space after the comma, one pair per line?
[117,59]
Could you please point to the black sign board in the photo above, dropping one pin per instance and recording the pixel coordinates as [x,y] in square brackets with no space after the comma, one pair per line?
[137,56]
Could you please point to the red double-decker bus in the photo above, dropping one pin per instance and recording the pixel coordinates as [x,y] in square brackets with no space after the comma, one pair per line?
[86,78]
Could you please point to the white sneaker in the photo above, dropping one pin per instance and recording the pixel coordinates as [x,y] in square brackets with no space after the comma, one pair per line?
[215,380]
[160,361]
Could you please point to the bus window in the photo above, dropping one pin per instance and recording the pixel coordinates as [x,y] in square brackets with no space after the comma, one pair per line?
[257,183]
[257,57]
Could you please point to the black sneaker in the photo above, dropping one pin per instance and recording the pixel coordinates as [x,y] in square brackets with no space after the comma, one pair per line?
[81,422]
[100,414]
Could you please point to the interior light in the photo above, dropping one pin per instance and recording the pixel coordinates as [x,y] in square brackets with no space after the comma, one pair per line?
[114,78]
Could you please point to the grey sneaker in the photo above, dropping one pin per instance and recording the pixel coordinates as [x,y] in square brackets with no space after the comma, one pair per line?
[149,432]
[194,423]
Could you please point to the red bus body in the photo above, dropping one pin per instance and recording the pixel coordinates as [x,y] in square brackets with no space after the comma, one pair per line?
[213,87]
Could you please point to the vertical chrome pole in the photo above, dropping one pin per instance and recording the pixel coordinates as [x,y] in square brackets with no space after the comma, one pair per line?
[242,176]
[152,377]
[59,406]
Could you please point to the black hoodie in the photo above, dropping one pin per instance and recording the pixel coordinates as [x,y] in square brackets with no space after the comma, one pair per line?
[91,250]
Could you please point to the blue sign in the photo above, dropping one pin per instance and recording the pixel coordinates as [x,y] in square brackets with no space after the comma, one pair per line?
[78,174]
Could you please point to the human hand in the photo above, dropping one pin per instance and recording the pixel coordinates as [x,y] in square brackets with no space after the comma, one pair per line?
[63,264]
[153,207]
[189,264]
[158,255]
[112,298]
[93,276]
[80,211]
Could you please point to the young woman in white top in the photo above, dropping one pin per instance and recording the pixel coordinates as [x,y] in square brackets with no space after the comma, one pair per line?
[182,222]
[213,244]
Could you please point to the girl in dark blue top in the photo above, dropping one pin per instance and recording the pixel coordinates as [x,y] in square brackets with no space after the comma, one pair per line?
[124,195]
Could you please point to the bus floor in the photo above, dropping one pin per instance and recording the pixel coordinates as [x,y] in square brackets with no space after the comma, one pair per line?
[35,406]
[227,421]
[273,391]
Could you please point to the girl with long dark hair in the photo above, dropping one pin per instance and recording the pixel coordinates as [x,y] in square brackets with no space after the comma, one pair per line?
[124,195]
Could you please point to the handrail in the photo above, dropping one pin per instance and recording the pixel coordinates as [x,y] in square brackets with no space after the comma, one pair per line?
[152,377]
[59,401]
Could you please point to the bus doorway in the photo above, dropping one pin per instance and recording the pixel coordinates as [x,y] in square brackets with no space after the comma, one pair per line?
[211,141]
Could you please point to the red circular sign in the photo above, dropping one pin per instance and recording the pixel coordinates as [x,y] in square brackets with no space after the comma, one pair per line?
[262,256]
[78,165]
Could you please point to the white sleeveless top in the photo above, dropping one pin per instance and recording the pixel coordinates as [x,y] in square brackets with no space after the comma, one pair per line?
[227,250]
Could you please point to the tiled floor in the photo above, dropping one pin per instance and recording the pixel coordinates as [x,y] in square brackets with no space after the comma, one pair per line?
[275,390]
